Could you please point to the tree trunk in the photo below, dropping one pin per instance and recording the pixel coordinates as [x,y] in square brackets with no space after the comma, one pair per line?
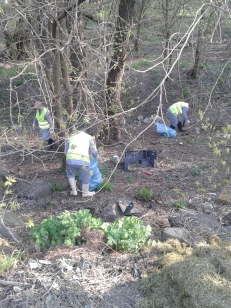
[116,71]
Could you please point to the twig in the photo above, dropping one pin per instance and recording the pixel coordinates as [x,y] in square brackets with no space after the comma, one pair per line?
[13,283]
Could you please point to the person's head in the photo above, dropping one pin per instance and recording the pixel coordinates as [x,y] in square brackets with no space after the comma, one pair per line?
[38,105]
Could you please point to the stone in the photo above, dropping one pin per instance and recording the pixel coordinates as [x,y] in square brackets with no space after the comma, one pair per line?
[181,234]
[139,118]
[147,120]
[225,195]
[7,232]
[37,190]
[11,221]
[207,207]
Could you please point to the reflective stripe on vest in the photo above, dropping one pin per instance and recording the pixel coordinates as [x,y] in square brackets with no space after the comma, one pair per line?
[79,147]
[40,116]
[176,109]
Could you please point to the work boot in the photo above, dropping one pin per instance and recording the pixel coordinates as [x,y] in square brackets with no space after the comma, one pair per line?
[50,142]
[179,125]
[86,192]
[73,186]
[173,127]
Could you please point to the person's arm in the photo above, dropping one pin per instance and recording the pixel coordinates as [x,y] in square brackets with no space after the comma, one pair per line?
[66,147]
[92,149]
[184,113]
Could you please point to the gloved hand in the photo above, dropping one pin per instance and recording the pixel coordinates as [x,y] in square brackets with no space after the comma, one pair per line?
[187,123]
[51,131]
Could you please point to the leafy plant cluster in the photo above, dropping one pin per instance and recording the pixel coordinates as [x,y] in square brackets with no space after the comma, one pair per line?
[127,234]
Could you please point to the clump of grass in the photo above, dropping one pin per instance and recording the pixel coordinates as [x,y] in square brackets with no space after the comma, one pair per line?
[189,277]
[144,194]
[7,261]
[179,204]
[195,171]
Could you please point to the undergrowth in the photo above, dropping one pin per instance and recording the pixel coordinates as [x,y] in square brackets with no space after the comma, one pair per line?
[127,234]
[189,277]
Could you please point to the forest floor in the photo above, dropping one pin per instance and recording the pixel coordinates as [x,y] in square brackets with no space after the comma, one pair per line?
[83,276]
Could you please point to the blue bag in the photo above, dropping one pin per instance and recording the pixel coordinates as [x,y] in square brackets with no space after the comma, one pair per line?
[165,130]
[96,177]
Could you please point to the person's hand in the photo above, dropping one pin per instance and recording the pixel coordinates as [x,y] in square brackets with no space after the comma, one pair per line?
[51,131]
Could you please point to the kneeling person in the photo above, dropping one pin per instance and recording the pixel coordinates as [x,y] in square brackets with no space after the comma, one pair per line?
[78,149]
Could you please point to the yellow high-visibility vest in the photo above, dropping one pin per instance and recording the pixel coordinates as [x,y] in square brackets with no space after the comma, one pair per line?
[42,122]
[79,147]
[176,109]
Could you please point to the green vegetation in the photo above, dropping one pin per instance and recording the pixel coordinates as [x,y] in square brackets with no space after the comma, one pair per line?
[129,179]
[105,186]
[195,171]
[127,234]
[179,204]
[144,194]
[188,277]
[141,63]
[7,261]
[55,186]
[63,229]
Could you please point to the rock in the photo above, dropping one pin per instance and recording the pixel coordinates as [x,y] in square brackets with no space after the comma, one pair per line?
[207,207]
[139,118]
[37,190]
[225,195]
[147,120]
[11,221]
[7,232]
[181,234]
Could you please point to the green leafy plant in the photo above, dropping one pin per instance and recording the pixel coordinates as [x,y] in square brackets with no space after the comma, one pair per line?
[105,186]
[201,190]
[55,186]
[144,194]
[127,234]
[63,229]
[195,171]
[179,204]
[56,231]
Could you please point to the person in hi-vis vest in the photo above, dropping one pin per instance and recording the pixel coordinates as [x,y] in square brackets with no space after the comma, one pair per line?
[78,149]
[175,112]
[44,122]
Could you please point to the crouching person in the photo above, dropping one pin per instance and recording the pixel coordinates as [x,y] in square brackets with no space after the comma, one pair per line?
[78,149]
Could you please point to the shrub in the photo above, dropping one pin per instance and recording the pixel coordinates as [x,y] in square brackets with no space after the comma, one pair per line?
[144,194]
[105,186]
[63,229]
[195,171]
[127,234]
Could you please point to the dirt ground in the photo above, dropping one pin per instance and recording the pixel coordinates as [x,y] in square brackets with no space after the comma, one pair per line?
[85,276]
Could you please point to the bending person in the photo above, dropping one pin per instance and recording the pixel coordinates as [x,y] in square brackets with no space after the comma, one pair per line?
[175,112]
[78,149]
